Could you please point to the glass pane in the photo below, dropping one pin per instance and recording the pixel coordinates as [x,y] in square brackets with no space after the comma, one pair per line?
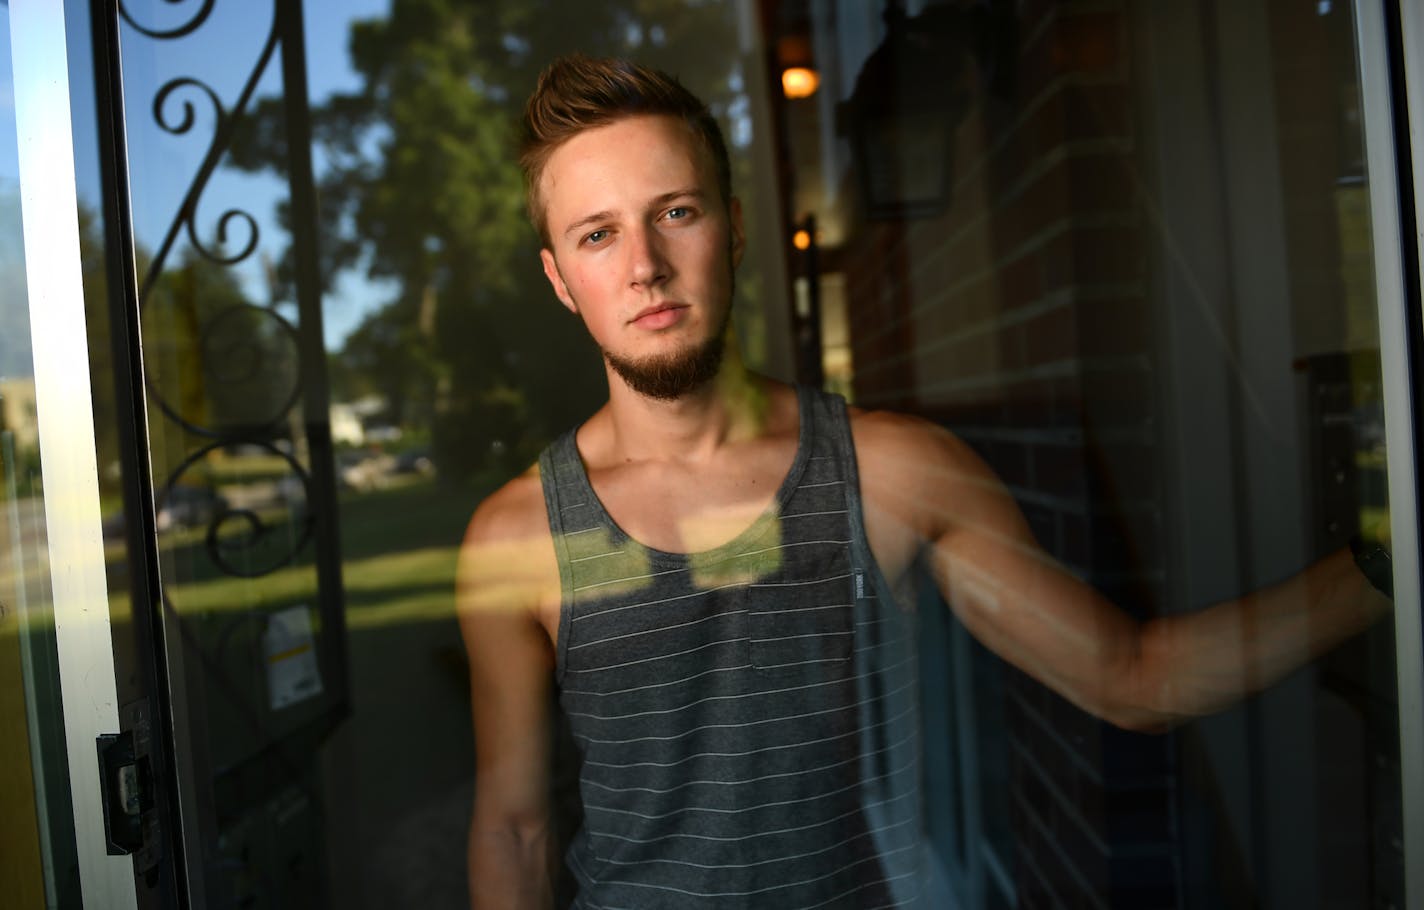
[38,861]
[1121,252]
[238,456]
[1146,301]
[430,379]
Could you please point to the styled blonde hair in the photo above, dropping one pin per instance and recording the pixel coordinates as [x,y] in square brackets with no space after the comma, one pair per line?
[576,93]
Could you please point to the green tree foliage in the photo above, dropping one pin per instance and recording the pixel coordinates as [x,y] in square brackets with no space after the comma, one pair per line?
[213,358]
[14,301]
[419,185]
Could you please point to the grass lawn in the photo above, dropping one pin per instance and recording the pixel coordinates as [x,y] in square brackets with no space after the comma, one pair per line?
[398,549]
[398,552]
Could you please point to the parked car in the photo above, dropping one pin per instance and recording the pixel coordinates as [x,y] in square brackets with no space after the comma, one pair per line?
[415,461]
[188,507]
[362,470]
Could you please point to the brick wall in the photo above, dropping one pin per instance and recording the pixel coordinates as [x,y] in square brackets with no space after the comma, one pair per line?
[1020,319]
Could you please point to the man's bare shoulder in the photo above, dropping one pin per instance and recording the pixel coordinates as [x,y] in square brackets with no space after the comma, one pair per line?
[919,471]
[513,512]
[507,558]
[886,439]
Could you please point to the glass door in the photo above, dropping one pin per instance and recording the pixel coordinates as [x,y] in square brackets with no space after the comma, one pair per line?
[1153,278]
[1143,263]
[327,393]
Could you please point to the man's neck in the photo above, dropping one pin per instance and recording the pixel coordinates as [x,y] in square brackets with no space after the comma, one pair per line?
[732,407]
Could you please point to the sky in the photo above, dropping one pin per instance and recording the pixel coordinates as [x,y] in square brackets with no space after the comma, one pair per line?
[219,56]
[329,72]
[14,306]
[9,150]
[222,54]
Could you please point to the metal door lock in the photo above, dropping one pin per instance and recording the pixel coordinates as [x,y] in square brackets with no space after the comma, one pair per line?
[126,788]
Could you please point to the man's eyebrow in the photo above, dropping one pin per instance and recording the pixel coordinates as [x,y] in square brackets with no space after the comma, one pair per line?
[587,220]
[664,199]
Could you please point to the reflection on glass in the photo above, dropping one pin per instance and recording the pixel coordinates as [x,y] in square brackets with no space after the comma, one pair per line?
[438,339]
[1149,304]
[1145,300]
[39,863]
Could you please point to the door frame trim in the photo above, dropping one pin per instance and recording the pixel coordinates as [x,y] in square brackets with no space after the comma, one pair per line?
[1388,192]
[63,399]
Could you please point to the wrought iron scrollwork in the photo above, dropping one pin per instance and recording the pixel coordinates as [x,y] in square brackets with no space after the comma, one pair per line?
[186,217]
[222,348]
[240,541]
[186,28]
[256,363]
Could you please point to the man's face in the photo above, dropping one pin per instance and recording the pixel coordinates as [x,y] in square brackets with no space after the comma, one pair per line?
[642,247]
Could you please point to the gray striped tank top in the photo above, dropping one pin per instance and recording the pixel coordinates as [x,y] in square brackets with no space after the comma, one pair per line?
[745,716]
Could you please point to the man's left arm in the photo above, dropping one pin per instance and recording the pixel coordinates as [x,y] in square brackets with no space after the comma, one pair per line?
[1030,610]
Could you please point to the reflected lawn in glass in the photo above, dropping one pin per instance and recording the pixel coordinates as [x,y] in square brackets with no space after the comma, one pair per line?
[383,585]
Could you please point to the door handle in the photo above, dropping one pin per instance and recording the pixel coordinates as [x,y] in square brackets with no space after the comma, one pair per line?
[126,787]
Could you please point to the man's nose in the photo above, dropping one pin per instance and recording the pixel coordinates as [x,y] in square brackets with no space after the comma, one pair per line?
[648,265]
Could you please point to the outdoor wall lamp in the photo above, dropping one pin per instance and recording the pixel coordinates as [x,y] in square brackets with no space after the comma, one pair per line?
[911,95]
[799,82]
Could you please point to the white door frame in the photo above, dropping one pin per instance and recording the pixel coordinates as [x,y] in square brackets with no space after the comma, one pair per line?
[63,400]
[1372,51]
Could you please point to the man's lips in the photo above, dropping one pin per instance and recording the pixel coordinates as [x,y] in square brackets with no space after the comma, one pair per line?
[659,316]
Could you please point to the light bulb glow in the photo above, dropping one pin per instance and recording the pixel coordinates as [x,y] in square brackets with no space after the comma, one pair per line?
[799,82]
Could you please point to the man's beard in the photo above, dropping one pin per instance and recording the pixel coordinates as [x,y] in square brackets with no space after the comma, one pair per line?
[668,377]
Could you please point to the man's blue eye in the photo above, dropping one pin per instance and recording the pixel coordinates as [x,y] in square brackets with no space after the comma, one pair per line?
[679,212]
[595,237]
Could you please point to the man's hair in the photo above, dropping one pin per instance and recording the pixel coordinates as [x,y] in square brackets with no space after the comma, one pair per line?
[576,93]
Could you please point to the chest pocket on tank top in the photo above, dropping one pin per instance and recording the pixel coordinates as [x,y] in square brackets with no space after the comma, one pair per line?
[806,617]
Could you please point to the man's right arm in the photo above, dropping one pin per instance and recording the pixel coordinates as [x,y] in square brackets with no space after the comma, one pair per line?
[505,561]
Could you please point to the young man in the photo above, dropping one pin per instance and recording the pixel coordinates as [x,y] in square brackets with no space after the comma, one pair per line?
[706,571]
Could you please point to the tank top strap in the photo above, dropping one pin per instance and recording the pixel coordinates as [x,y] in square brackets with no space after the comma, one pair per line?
[833,440]
[560,472]
[568,501]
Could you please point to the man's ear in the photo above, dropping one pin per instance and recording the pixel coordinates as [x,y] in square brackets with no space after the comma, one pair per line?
[739,235]
[551,272]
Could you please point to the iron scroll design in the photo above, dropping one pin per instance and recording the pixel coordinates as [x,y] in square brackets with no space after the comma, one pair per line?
[178,31]
[257,370]
[237,235]
[229,345]
[185,219]
[254,533]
